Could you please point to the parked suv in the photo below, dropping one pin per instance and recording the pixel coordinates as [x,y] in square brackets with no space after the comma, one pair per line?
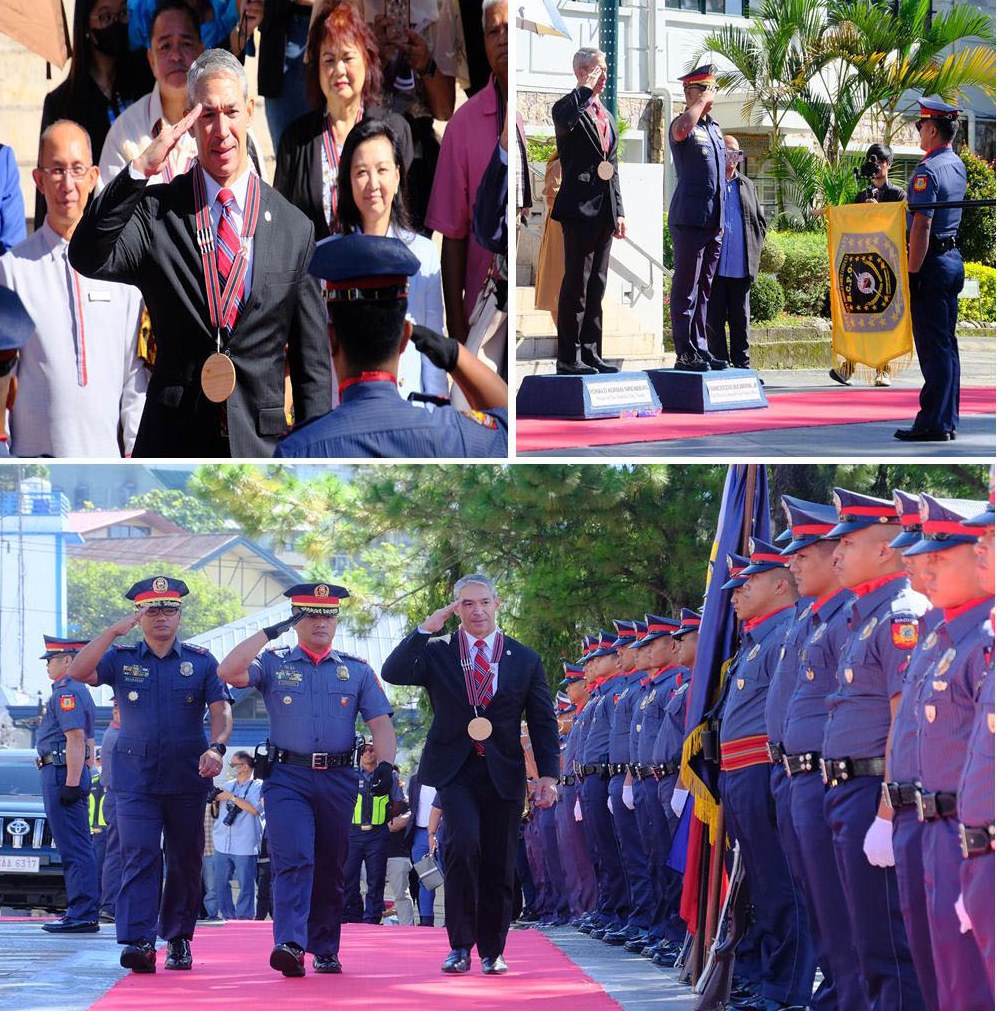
[31,874]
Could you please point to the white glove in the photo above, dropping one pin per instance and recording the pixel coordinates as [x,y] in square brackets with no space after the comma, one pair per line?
[678,800]
[878,844]
[609,804]
[965,923]
[628,795]
[578,810]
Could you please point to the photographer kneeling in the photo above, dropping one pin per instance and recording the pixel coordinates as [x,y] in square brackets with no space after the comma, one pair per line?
[878,190]
[236,836]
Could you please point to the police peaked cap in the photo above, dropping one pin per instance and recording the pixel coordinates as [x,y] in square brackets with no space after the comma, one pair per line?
[316,598]
[943,525]
[54,646]
[689,621]
[762,557]
[857,511]
[658,627]
[161,590]
[985,518]
[736,564]
[908,509]
[808,522]
[364,268]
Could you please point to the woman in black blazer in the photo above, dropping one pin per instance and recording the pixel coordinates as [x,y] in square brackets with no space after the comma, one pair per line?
[343,77]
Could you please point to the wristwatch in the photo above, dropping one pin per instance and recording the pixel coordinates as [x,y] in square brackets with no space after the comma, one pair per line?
[217,746]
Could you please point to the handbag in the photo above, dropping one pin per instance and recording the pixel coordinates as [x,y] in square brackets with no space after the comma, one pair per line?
[430,875]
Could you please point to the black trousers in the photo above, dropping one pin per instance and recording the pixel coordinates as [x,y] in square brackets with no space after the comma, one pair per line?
[479,860]
[729,305]
[579,305]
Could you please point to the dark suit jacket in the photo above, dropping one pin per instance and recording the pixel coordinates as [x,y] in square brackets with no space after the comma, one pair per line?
[144,235]
[583,195]
[754,224]
[298,175]
[522,686]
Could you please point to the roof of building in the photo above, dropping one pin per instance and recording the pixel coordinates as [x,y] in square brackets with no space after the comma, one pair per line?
[97,519]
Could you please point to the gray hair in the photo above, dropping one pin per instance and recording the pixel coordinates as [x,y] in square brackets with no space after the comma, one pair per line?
[47,132]
[487,5]
[585,57]
[474,577]
[214,63]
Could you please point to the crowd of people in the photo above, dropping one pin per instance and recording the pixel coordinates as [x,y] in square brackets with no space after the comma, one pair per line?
[156,333]
[851,735]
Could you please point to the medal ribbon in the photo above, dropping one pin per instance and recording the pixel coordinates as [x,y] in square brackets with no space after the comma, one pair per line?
[478,687]
[602,125]
[332,154]
[223,306]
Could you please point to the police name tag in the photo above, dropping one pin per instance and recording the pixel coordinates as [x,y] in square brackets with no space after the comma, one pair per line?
[98,296]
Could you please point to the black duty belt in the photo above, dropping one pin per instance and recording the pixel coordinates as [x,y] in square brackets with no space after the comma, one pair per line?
[319,760]
[899,796]
[796,765]
[594,769]
[617,768]
[932,806]
[936,245]
[776,753]
[568,780]
[52,758]
[644,771]
[976,841]
[840,770]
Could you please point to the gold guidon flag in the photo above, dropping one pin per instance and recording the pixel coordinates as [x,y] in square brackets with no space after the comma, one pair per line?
[870,298]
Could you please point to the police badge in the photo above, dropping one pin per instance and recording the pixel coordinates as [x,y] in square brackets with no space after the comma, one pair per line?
[133,696]
[186,669]
[849,675]
[946,661]
[160,584]
[343,673]
[867,631]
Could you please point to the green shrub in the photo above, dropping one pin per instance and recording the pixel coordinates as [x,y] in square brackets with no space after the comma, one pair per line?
[539,149]
[667,249]
[804,273]
[767,298]
[773,254]
[984,308]
[976,232]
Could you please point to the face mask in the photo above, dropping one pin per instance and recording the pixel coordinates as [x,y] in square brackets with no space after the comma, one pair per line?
[112,40]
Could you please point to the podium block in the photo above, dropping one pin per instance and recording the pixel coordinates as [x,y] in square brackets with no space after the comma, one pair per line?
[587,397]
[704,392]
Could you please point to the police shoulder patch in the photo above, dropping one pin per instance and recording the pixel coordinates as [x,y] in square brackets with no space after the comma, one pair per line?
[904,633]
[194,648]
[125,647]
[67,703]
[351,656]
[480,418]
[920,183]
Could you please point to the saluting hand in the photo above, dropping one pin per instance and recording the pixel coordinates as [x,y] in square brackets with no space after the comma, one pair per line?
[151,161]
[439,618]
[124,625]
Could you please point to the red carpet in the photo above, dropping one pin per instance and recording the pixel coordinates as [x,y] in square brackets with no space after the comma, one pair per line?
[785,410]
[384,967]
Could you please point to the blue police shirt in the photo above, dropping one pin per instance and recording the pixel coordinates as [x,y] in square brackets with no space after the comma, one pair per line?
[700,160]
[806,714]
[107,757]
[162,703]
[650,712]
[787,667]
[733,251]
[70,707]
[883,630]
[373,421]
[597,737]
[671,736]
[976,788]
[940,175]
[619,734]
[313,707]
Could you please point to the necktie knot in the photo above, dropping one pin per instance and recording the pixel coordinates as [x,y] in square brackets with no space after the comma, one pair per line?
[479,644]
[226,197]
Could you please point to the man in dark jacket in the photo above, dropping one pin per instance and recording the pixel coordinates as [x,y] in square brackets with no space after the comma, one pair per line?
[740,251]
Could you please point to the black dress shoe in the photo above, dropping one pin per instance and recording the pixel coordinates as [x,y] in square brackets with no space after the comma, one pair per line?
[715,364]
[288,959]
[921,435]
[494,966]
[139,957]
[458,961]
[178,954]
[620,937]
[691,363]
[598,364]
[64,925]
[574,369]
[327,963]
[638,944]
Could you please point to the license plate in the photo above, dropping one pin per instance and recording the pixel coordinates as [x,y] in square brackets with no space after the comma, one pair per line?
[19,865]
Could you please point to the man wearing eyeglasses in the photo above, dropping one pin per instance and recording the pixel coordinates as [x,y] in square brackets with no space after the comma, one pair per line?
[162,768]
[79,376]
[236,834]
[313,694]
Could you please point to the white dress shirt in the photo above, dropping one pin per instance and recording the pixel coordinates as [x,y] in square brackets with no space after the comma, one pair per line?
[489,646]
[82,327]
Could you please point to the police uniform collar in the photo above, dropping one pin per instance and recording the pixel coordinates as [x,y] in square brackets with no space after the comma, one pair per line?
[143,647]
[297,653]
[828,605]
[934,151]
[967,617]
[870,595]
[759,627]
[368,391]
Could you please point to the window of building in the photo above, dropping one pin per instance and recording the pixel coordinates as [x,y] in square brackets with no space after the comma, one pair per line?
[986,134]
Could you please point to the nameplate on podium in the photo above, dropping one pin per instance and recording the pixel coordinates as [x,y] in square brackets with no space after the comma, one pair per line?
[704,392]
[613,395]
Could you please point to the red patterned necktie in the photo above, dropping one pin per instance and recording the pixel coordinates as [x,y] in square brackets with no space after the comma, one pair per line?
[482,671]
[228,248]
[602,124]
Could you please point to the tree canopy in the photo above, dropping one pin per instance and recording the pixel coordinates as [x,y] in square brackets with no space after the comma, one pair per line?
[187,511]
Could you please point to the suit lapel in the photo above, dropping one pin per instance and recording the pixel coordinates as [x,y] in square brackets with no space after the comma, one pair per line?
[262,254]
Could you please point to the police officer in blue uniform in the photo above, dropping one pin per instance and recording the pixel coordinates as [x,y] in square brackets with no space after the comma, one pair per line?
[883,630]
[313,694]
[64,739]
[936,272]
[16,326]
[163,768]
[367,299]
[696,218]
[944,723]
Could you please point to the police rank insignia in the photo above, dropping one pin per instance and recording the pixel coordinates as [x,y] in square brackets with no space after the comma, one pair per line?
[946,661]
[810,674]
[904,634]
[343,673]
[929,713]
[740,684]
[931,640]
[186,669]
[819,634]
[849,675]
[133,696]
[868,630]
[755,650]
[67,703]
[939,686]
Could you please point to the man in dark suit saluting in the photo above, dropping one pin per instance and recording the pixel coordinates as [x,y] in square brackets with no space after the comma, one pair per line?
[589,207]
[480,682]
[222,261]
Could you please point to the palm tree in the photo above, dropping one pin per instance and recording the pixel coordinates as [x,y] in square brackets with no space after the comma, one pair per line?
[897,46]
[772,60]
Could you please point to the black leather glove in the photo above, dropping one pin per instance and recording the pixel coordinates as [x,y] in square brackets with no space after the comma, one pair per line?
[70,795]
[380,782]
[440,350]
[276,631]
